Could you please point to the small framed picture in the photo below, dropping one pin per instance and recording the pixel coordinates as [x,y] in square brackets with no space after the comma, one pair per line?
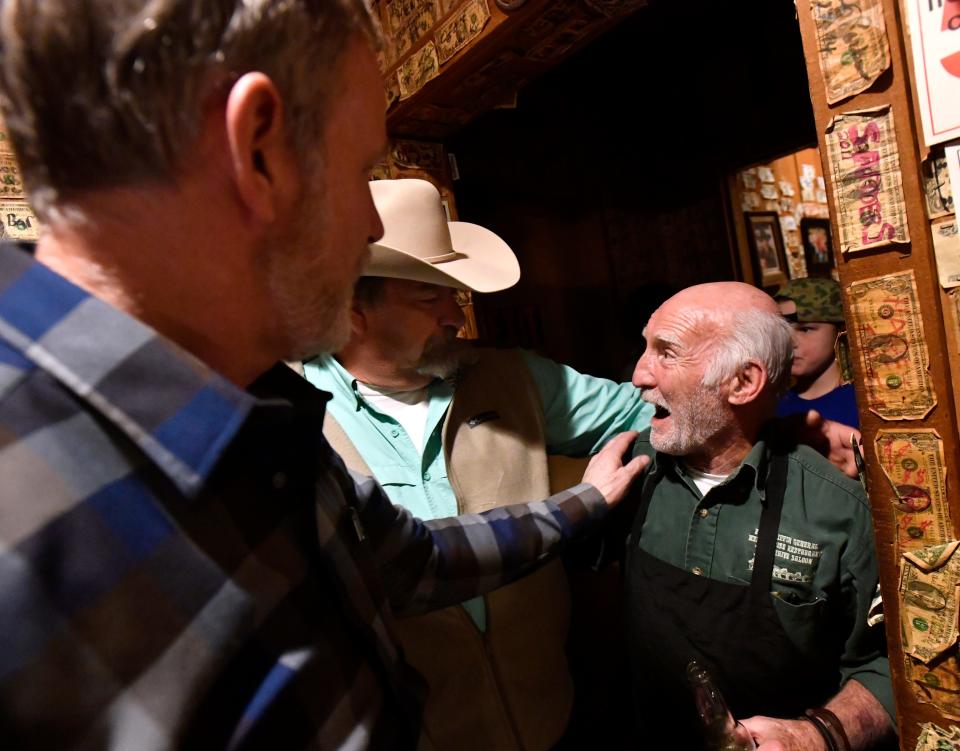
[766,247]
[817,246]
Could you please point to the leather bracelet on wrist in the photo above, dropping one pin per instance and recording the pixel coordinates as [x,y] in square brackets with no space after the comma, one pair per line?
[830,727]
[822,731]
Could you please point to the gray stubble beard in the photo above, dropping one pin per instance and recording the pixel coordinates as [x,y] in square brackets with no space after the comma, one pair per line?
[698,425]
[442,358]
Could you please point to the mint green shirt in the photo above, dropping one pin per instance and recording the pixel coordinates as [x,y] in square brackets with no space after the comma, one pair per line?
[825,567]
[581,413]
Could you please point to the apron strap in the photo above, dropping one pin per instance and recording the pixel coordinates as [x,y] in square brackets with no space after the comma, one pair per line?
[767,530]
[645,496]
[763,558]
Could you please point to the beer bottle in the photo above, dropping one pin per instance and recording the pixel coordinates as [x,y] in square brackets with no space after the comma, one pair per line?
[721,731]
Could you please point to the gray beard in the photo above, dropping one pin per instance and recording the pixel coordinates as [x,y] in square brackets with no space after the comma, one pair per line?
[442,359]
[694,424]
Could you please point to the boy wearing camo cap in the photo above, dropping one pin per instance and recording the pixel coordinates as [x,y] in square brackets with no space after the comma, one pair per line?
[814,309]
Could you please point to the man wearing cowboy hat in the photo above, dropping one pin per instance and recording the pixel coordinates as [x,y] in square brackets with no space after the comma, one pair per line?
[446,428]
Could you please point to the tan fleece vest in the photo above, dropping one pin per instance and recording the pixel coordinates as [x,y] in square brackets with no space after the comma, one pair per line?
[509,688]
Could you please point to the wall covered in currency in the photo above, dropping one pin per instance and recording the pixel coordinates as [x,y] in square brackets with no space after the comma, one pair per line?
[878,109]
[793,186]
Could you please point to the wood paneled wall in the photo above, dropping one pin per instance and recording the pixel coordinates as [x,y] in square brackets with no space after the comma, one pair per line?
[609,175]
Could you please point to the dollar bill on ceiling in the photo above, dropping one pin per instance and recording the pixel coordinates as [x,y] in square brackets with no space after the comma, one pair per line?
[425,155]
[462,28]
[417,69]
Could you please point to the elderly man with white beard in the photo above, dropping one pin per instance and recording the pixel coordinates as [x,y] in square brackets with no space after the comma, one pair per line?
[748,553]
[448,428]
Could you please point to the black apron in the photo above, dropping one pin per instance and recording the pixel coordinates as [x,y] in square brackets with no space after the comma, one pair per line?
[675,616]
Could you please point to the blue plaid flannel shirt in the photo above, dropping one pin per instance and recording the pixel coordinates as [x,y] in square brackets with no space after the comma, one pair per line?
[187,564]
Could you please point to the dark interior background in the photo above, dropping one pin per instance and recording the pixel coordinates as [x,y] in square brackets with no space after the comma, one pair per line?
[609,177]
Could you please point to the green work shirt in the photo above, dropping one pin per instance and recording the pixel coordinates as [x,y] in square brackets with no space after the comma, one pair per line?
[825,548]
[581,413]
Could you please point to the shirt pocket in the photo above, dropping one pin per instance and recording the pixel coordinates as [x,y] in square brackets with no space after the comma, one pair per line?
[396,475]
[801,611]
[804,619]
[400,485]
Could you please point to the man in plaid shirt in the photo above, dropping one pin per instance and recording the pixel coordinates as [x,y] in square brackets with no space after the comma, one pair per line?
[185,562]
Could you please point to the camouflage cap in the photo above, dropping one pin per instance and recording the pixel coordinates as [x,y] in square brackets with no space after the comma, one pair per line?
[816,299]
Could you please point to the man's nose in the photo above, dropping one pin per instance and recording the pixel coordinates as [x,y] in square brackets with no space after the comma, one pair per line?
[375,223]
[642,377]
[452,314]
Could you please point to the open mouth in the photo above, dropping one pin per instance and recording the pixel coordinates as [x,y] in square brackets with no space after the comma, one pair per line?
[660,410]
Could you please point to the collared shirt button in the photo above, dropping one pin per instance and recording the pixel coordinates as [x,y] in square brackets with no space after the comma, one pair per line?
[703,513]
[395,432]
[697,571]
[426,477]
[279,480]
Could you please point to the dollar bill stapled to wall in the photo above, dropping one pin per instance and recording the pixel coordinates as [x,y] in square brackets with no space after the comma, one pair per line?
[852,45]
[864,169]
[935,738]
[937,191]
[936,683]
[929,606]
[913,464]
[946,249]
[888,327]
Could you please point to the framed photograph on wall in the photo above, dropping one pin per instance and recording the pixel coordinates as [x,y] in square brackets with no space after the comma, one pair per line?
[817,246]
[766,247]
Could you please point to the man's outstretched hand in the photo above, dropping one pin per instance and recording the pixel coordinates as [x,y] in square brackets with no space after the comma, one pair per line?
[837,438]
[832,439]
[607,472]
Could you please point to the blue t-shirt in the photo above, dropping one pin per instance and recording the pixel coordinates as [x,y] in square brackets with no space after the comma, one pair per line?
[839,405]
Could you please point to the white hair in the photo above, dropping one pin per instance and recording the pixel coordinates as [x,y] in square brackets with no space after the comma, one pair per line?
[752,335]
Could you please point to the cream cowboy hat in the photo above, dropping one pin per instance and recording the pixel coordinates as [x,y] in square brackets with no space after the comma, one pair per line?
[420,244]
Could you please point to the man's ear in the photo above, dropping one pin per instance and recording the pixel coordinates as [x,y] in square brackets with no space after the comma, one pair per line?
[358,320]
[748,384]
[264,169]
